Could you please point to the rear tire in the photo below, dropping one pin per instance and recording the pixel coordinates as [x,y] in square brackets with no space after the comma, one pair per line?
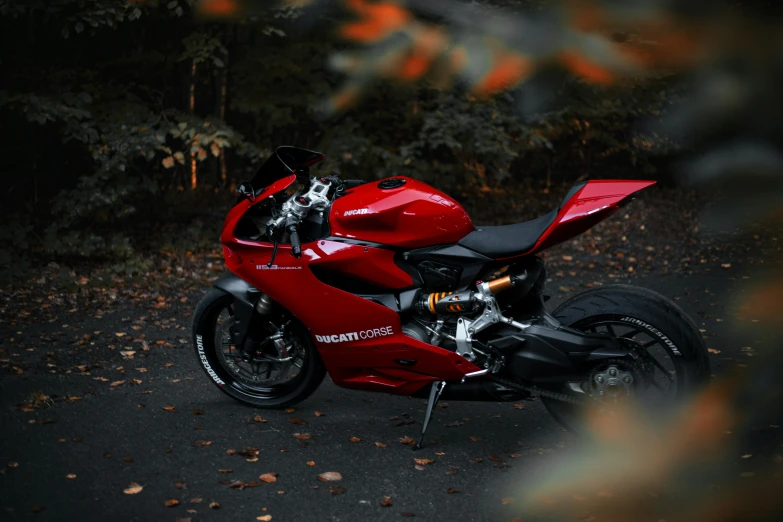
[205,333]
[653,317]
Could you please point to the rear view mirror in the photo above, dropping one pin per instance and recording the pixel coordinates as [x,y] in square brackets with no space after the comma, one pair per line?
[246,189]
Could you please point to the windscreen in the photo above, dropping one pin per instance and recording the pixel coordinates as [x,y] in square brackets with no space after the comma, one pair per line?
[284,162]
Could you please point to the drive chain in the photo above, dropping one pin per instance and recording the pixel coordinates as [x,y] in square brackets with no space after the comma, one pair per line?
[538,391]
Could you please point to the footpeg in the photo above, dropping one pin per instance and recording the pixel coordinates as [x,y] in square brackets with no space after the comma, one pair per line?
[471,375]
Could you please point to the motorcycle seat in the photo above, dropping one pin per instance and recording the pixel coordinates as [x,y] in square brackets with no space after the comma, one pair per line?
[510,240]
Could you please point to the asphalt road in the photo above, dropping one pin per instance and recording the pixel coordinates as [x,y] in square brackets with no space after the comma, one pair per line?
[72,458]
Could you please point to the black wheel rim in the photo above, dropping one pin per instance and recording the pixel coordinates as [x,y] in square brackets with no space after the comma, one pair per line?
[665,371]
[263,380]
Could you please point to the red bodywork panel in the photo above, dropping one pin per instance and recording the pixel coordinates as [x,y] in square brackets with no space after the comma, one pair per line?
[366,363]
[410,216]
[359,339]
[593,203]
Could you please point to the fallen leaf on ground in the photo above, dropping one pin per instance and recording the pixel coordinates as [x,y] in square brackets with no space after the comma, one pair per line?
[264,518]
[355,439]
[240,485]
[179,484]
[477,460]
[224,470]
[519,406]
[302,436]
[408,441]
[214,505]
[259,418]
[424,461]
[117,383]
[452,471]
[476,438]
[294,420]
[128,459]
[196,500]
[318,413]
[171,502]
[337,490]
[289,410]
[200,443]
[419,467]
[133,488]
[386,501]
[407,514]
[198,412]
[452,490]
[269,477]
[381,444]
[508,500]
[170,408]
[330,476]
[311,463]
[70,476]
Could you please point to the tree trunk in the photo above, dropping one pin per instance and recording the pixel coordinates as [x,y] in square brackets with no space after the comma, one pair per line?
[223,90]
[193,167]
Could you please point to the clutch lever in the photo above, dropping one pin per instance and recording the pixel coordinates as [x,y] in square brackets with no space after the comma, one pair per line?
[271,232]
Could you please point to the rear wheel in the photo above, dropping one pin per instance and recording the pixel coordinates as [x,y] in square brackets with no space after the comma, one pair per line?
[671,350]
[284,372]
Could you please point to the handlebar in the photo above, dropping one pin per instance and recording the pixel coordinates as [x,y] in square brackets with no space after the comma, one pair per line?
[292,225]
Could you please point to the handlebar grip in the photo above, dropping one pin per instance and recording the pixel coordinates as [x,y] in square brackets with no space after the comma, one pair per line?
[296,246]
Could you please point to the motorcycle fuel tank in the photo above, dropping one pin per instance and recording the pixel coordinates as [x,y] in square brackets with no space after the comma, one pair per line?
[400,212]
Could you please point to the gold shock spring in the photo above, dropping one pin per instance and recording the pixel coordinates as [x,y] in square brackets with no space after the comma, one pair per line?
[435,297]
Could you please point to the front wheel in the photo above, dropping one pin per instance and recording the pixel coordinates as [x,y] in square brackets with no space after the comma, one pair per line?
[284,372]
[657,329]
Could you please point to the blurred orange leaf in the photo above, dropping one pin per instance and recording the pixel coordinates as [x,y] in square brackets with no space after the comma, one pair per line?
[378,20]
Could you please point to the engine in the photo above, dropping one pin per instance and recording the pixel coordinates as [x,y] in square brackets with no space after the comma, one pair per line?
[437,332]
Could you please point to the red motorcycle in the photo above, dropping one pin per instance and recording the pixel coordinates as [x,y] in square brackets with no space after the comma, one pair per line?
[388,286]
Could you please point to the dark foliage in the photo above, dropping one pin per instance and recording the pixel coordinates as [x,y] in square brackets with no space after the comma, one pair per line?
[119,116]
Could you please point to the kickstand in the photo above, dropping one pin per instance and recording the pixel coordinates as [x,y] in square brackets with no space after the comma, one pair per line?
[435,391]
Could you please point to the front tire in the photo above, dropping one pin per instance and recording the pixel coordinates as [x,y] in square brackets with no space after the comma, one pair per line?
[223,368]
[652,321]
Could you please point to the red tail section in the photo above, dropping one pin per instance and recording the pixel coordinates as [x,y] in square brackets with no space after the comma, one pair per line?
[593,203]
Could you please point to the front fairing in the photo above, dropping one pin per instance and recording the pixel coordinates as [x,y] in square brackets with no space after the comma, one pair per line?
[239,210]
